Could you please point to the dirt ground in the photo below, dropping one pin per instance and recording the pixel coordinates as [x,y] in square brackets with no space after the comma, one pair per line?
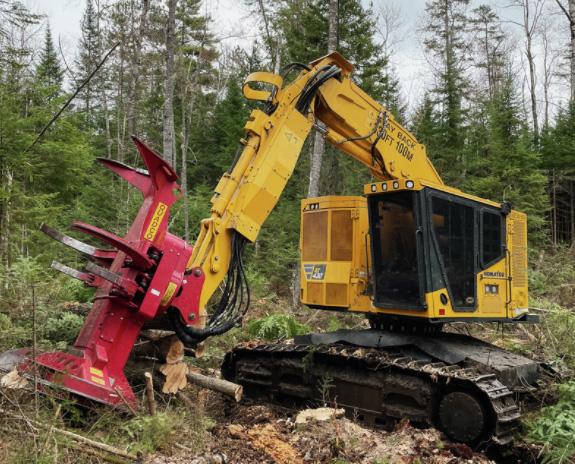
[249,434]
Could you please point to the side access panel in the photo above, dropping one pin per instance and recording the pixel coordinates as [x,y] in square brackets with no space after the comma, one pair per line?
[334,250]
[517,246]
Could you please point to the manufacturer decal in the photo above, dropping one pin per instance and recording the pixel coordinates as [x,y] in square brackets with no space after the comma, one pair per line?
[292,138]
[314,271]
[98,380]
[169,294]
[155,222]
[493,274]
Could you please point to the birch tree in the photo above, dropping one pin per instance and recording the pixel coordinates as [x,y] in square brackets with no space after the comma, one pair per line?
[532,11]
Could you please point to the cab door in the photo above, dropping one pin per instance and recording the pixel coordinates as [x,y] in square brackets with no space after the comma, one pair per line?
[454,237]
[396,250]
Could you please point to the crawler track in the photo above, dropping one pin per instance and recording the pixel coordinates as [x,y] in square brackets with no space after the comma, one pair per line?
[379,386]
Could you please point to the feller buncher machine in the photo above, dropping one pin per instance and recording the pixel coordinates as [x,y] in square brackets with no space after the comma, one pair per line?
[410,254]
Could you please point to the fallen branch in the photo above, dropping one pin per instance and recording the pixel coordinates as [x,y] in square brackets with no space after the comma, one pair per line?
[223,386]
[74,436]
[85,449]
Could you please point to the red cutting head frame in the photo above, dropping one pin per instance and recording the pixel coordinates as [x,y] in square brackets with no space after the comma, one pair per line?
[136,281]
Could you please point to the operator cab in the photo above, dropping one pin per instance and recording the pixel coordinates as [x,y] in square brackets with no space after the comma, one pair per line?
[445,253]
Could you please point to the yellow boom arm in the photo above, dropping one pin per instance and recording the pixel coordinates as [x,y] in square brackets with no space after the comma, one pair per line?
[355,123]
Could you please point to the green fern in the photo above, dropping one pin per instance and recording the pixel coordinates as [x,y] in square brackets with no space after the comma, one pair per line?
[276,326]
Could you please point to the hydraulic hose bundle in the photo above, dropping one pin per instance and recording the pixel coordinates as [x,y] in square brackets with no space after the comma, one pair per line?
[232,306]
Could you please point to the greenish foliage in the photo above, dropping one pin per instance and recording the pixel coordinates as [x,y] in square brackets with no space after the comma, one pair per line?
[558,142]
[557,325]
[334,324]
[552,275]
[554,427]
[276,326]
[445,42]
[49,73]
[63,328]
[499,149]
[153,433]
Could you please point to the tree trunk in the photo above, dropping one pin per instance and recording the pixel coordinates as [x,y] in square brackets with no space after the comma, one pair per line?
[533,90]
[572,210]
[315,168]
[547,72]
[5,210]
[319,141]
[333,23]
[572,28]
[529,27]
[168,133]
[107,125]
[135,70]
[274,55]
[184,172]
[554,208]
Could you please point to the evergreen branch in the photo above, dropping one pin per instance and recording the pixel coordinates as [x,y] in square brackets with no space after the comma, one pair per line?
[78,90]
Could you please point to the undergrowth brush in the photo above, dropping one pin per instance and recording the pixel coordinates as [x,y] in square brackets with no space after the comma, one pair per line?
[554,427]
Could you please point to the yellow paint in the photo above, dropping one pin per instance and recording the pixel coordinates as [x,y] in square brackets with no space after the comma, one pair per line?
[97,372]
[156,221]
[168,294]
[261,77]
[419,184]
[98,380]
[351,273]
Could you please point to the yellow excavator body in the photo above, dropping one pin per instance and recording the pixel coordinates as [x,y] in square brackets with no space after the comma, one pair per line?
[414,249]
[411,247]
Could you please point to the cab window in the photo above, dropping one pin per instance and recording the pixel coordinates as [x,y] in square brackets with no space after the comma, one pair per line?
[453,225]
[491,237]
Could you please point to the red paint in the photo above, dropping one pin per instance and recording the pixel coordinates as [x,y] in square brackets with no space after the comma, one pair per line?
[146,267]
[442,312]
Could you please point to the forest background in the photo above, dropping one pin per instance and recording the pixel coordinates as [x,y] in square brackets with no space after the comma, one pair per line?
[496,112]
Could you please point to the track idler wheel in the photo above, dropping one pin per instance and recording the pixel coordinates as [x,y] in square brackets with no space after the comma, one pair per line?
[462,417]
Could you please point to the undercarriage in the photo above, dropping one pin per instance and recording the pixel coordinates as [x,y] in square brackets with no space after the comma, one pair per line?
[469,389]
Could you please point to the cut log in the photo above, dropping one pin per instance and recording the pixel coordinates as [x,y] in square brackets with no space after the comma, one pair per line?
[223,386]
[13,380]
[175,369]
[175,377]
[174,349]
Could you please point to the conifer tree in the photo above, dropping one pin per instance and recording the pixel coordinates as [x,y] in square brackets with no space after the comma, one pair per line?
[90,52]
[445,28]
[425,124]
[506,168]
[489,46]
[49,72]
